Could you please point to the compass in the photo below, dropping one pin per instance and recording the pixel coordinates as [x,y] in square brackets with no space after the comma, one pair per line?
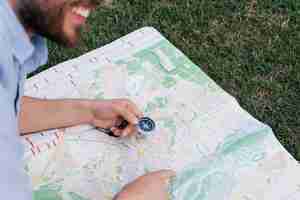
[146,125]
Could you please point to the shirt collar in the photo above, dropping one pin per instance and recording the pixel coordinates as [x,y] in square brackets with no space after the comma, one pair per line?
[23,48]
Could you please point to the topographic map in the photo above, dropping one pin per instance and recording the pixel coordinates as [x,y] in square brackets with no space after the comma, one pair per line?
[218,150]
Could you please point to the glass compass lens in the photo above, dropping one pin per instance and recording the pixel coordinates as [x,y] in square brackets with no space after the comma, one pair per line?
[146,125]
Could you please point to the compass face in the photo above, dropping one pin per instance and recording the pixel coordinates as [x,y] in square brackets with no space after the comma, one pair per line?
[146,124]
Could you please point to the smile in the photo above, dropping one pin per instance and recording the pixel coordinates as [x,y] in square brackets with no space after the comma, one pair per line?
[81,11]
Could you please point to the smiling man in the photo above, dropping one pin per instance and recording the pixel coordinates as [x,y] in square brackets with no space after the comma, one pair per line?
[23,26]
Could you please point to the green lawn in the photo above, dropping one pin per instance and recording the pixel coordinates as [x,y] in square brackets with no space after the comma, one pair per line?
[249,47]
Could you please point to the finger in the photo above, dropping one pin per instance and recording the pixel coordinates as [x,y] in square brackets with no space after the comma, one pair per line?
[129,130]
[116,132]
[128,115]
[134,108]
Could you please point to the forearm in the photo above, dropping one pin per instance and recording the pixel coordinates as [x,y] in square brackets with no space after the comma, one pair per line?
[38,115]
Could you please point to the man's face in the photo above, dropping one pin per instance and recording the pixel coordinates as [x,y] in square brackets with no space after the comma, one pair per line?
[58,20]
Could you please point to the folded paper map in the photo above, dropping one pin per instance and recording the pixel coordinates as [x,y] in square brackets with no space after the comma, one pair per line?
[219,151]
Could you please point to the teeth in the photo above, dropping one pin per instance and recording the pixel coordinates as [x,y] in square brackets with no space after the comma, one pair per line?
[84,12]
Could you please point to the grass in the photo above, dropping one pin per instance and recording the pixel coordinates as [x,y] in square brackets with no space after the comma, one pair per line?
[249,47]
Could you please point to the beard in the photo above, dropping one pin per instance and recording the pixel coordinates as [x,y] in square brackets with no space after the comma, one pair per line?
[48,21]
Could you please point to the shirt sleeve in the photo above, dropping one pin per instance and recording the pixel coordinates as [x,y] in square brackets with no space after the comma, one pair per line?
[14,183]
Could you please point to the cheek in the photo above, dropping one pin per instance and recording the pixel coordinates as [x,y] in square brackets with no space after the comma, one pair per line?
[70,29]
